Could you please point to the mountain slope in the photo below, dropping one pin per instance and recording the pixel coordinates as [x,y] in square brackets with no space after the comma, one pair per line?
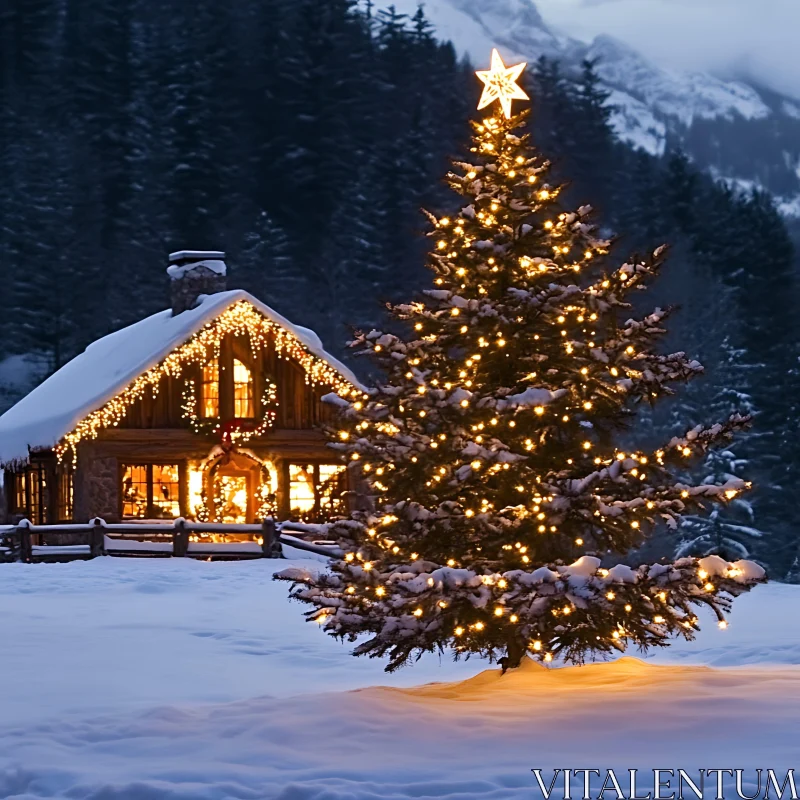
[744,134]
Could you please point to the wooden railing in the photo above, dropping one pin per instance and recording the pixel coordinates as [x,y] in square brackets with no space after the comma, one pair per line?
[182,538]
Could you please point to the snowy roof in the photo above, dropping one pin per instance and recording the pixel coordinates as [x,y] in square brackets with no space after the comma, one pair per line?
[55,407]
[196,255]
[183,261]
[215,265]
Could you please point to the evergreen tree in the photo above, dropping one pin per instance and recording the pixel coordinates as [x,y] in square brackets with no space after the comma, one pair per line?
[729,530]
[195,123]
[262,42]
[573,115]
[491,447]
[680,188]
[745,243]
[265,268]
[324,94]
[48,309]
[353,270]
[639,210]
[591,141]
[552,96]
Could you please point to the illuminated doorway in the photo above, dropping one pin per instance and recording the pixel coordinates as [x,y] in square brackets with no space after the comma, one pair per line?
[232,498]
[234,488]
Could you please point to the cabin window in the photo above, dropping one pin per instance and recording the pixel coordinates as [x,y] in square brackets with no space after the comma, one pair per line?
[20,493]
[34,499]
[243,405]
[330,489]
[301,489]
[66,492]
[209,402]
[135,492]
[316,491]
[151,491]
[30,494]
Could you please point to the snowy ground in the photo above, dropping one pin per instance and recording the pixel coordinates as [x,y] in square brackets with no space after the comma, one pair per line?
[144,679]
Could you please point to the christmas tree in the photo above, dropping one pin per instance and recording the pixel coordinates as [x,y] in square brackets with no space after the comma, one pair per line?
[499,495]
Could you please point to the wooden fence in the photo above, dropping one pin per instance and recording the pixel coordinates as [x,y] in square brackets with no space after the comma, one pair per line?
[29,543]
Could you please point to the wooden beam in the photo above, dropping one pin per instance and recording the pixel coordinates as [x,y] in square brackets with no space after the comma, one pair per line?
[226,405]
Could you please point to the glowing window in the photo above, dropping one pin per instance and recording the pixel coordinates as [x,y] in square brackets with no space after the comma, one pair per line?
[135,492]
[66,491]
[302,497]
[316,490]
[36,486]
[210,400]
[21,493]
[331,480]
[30,494]
[166,491]
[242,391]
[151,491]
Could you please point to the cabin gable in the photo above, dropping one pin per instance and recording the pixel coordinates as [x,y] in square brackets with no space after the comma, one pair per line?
[298,406]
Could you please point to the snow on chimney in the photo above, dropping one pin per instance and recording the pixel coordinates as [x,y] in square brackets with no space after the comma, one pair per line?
[195,272]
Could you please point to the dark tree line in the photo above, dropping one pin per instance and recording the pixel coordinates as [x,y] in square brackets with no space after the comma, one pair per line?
[303,138]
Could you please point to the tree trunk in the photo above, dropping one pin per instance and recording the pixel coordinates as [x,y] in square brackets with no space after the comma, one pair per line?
[515,652]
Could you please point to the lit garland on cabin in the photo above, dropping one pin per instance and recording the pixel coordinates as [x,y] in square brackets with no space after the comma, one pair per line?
[241,319]
[488,448]
[237,431]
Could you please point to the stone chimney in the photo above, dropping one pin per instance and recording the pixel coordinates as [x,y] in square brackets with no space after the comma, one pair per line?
[195,272]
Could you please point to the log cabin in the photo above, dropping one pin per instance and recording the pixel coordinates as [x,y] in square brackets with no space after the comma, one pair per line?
[210,410]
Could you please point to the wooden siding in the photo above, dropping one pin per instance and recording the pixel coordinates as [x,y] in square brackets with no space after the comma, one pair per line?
[300,405]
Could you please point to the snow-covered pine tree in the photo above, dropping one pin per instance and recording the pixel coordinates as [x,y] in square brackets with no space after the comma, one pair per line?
[729,529]
[265,266]
[490,451]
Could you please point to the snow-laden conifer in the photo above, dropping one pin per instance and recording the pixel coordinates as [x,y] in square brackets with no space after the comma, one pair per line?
[489,448]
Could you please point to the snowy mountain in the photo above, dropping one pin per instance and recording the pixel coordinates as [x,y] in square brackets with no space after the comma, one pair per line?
[683,97]
[742,133]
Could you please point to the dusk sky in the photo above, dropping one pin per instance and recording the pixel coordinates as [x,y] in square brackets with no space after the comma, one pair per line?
[758,37]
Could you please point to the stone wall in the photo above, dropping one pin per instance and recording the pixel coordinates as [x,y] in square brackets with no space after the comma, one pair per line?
[186,289]
[97,488]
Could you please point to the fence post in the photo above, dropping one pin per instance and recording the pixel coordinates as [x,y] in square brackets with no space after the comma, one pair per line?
[24,533]
[270,546]
[97,538]
[180,539]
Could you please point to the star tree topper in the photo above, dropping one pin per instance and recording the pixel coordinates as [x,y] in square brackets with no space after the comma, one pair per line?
[500,83]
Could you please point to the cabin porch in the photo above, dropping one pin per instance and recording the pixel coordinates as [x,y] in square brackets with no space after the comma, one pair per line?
[167,474]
